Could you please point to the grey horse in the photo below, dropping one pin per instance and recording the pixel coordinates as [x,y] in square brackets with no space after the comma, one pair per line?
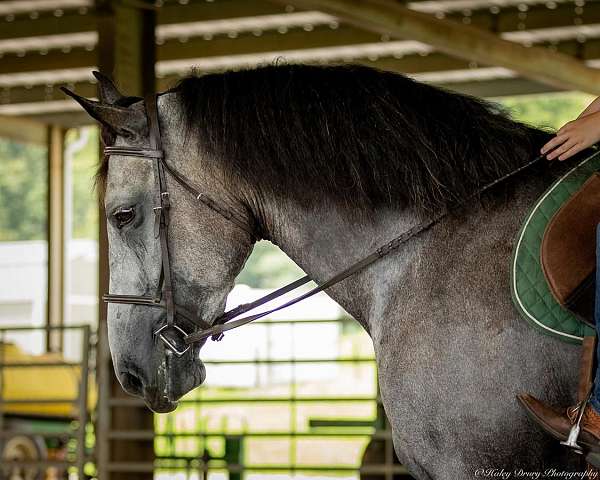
[329,163]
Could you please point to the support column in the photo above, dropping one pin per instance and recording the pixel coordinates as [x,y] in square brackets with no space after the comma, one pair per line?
[127,53]
[55,306]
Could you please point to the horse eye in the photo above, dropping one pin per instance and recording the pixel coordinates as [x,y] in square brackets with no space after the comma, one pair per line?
[123,216]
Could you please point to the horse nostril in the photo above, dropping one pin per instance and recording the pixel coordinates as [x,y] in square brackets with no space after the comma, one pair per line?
[131,383]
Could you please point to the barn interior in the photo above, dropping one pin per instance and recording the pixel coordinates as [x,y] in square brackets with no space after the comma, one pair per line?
[274,409]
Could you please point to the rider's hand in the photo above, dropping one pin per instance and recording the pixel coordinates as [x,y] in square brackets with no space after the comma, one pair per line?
[573,137]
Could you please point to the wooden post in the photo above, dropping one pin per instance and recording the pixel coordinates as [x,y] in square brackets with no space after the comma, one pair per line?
[464,41]
[55,306]
[126,52]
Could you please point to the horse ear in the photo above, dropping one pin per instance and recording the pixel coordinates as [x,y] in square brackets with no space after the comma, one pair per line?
[107,89]
[128,122]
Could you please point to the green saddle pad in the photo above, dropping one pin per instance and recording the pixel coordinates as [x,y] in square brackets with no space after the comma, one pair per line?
[529,289]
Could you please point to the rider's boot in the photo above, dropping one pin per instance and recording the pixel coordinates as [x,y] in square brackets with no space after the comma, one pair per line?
[559,421]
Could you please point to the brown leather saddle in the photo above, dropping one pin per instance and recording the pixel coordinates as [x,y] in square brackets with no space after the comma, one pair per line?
[568,250]
[568,261]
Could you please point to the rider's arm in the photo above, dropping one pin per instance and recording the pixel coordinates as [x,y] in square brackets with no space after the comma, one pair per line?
[575,135]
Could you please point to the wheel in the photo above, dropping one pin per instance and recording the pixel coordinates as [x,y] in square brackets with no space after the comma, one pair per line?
[22,448]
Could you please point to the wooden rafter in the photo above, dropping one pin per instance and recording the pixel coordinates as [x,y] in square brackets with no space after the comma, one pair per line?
[23,130]
[73,21]
[506,19]
[464,41]
[247,43]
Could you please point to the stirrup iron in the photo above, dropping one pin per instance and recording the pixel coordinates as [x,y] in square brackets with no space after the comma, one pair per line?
[571,441]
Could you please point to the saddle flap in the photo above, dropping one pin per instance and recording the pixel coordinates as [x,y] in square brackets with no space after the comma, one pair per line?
[568,250]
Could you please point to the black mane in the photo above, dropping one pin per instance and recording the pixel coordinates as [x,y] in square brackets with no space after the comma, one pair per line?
[355,134]
[363,136]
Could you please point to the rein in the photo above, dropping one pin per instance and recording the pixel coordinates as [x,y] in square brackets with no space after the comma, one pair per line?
[173,336]
[225,322]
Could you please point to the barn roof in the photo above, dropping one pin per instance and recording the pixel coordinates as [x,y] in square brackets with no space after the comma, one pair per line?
[45,44]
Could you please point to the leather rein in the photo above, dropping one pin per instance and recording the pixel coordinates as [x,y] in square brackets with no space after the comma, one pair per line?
[175,338]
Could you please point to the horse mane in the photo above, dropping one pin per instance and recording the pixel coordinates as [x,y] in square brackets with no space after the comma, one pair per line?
[362,136]
[352,134]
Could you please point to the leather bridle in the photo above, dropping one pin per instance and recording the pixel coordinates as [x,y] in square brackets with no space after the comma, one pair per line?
[174,337]
[163,296]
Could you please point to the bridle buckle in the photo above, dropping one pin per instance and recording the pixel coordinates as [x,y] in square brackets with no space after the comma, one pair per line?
[160,333]
[165,199]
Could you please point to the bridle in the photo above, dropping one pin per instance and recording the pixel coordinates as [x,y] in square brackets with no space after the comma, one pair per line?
[163,296]
[174,337]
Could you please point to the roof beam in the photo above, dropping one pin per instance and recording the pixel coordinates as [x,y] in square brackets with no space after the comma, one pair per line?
[505,19]
[433,6]
[23,130]
[322,36]
[502,87]
[15,7]
[512,18]
[296,39]
[47,24]
[220,45]
[464,41]
[75,21]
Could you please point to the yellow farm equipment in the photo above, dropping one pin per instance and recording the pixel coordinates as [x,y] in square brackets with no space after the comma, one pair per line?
[45,404]
[47,377]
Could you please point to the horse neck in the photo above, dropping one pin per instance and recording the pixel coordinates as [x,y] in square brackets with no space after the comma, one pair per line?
[324,239]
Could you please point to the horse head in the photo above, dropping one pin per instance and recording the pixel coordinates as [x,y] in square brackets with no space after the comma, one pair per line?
[205,250]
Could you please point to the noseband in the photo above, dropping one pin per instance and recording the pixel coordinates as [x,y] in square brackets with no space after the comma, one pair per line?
[170,333]
[174,337]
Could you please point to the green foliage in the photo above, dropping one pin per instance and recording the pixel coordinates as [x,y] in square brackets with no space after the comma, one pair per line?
[23,191]
[268,267]
[551,110]
[83,168]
